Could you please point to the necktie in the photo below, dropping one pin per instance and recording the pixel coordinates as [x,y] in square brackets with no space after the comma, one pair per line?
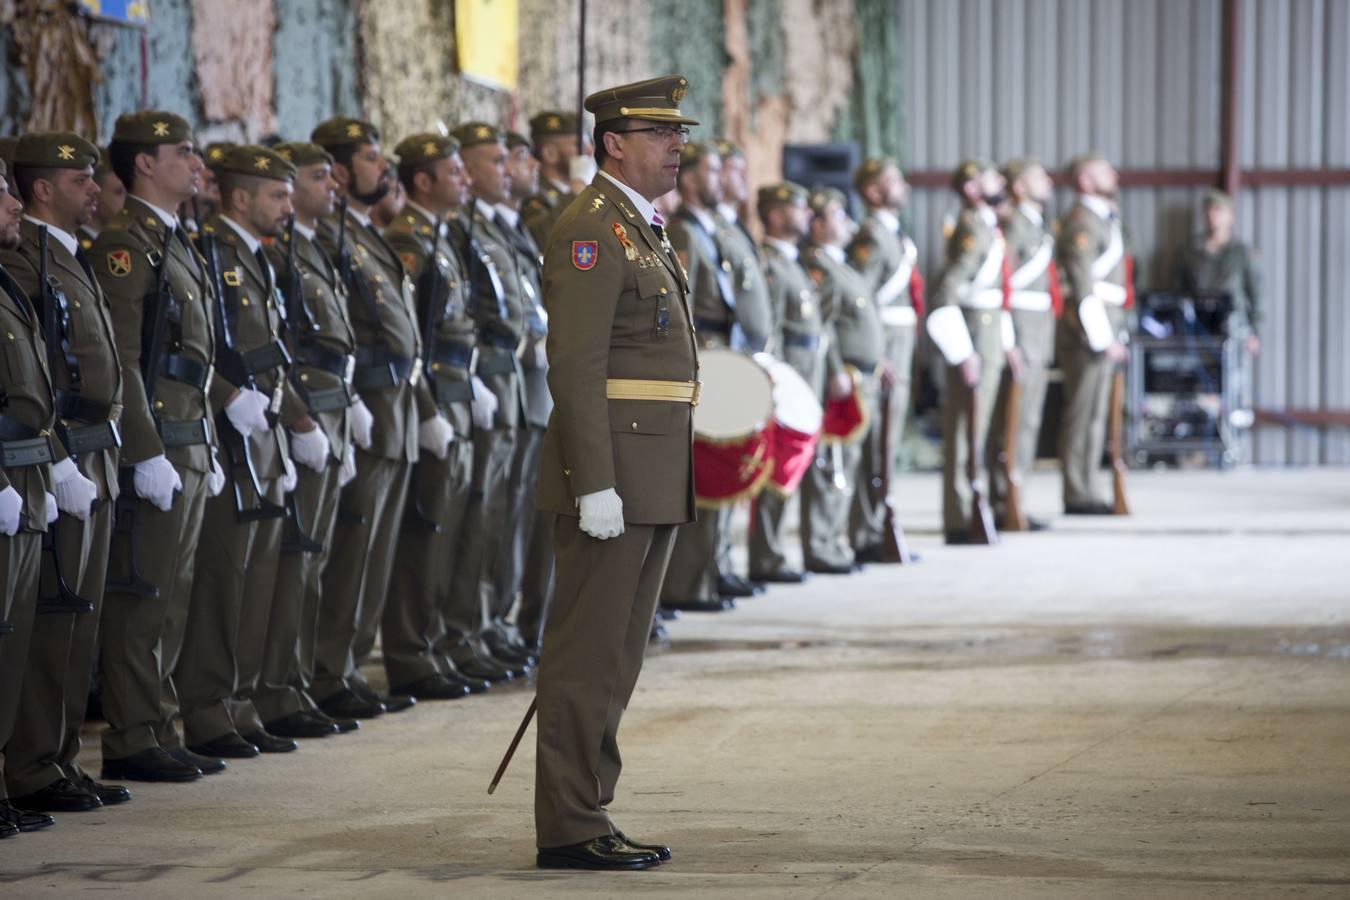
[84,264]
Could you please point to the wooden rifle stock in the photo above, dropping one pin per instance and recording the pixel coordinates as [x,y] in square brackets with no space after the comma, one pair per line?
[982,530]
[894,549]
[1013,517]
[1121,504]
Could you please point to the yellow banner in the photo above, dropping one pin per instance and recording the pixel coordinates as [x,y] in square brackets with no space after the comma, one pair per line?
[487,37]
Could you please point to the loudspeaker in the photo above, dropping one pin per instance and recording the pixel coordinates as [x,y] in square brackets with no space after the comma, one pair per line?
[830,165]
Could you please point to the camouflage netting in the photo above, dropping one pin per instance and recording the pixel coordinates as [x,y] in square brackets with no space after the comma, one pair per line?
[232,49]
[59,66]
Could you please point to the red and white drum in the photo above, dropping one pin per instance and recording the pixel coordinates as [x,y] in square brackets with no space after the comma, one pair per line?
[732,459]
[797,419]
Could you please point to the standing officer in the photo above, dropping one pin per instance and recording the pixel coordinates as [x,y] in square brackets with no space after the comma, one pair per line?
[388,375]
[55,176]
[112,195]
[1034,285]
[796,337]
[754,314]
[438,500]
[26,507]
[853,359]
[167,444]
[322,346]
[554,136]
[1092,255]
[888,260]
[617,465]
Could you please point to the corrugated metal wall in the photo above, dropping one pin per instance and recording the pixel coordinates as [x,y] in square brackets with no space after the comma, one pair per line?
[1140,80]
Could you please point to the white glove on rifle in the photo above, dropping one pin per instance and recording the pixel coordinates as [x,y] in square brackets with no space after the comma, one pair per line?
[347,471]
[484,406]
[310,448]
[11,506]
[75,494]
[435,434]
[156,479]
[247,412]
[52,510]
[362,423]
[215,479]
[288,475]
[601,514]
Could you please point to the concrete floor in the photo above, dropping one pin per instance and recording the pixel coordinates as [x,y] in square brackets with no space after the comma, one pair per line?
[1151,707]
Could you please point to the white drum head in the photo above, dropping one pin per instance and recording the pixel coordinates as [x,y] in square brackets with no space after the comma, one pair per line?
[736,400]
[795,405]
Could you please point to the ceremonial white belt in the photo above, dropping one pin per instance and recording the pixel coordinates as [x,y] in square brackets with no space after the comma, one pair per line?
[1032,301]
[1110,293]
[649,389]
[988,298]
[898,316]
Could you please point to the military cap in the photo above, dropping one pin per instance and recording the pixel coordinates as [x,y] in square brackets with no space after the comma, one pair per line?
[692,153]
[7,145]
[54,150]
[424,147]
[656,100]
[104,164]
[871,169]
[1078,162]
[260,162]
[151,126]
[824,197]
[472,134]
[341,131]
[302,153]
[515,139]
[1014,169]
[785,194]
[553,122]
[966,170]
[1216,197]
[726,148]
[215,153]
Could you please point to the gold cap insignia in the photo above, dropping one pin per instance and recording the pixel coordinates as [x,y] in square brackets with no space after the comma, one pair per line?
[283,152]
[65,151]
[161,129]
[678,94]
[261,163]
[216,154]
[484,131]
[553,122]
[429,148]
[353,130]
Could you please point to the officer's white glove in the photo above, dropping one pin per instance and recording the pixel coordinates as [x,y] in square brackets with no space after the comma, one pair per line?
[540,355]
[247,412]
[310,448]
[11,505]
[362,423]
[347,471]
[581,170]
[156,479]
[75,494]
[52,509]
[435,434]
[215,479]
[484,407]
[601,514]
[288,475]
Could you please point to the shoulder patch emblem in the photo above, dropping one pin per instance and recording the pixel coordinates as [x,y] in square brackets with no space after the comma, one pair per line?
[231,277]
[119,263]
[585,254]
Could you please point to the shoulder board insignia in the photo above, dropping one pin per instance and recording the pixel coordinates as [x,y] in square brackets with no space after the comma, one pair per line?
[585,254]
[119,263]
[230,277]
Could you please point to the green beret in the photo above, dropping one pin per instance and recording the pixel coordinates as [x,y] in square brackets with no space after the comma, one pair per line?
[692,153]
[260,162]
[54,150]
[1216,197]
[151,126]
[7,145]
[966,170]
[515,139]
[553,122]
[215,153]
[726,148]
[871,169]
[104,166]
[822,198]
[472,134]
[423,147]
[303,153]
[786,193]
[656,100]
[341,131]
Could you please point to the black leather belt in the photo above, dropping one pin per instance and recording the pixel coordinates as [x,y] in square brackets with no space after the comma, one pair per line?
[186,369]
[453,390]
[269,356]
[496,363]
[314,356]
[84,439]
[500,341]
[720,327]
[378,369]
[327,400]
[184,433]
[22,445]
[70,405]
[457,356]
[804,341]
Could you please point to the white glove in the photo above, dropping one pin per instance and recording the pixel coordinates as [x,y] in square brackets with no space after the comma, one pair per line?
[540,355]
[347,471]
[582,169]
[215,479]
[484,407]
[601,514]
[310,448]
[11,505]
[247,412]
[288,475]
[362,423]
[155,479]
[52,510]
[75,494]
[435,434]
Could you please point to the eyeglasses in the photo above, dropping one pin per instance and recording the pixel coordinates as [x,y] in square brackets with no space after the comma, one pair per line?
[662,132]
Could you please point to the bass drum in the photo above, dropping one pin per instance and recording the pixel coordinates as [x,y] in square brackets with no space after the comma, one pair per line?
[797,420]
[732,421]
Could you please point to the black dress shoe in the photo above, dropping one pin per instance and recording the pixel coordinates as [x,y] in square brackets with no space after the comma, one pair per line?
[662,852]
[108,794]
[347,704]
[475,685]
[488,668]
[208,765]
[24,821]
[343,725]
[300,725]
[433,687]
[266,742]
[832,569]
[398,704]
[228,746]
[873,555]
[666,614]
[718,604]
[518,656]
[605,852]
[154,764]
[62,795]
[733,586]
[1095,508]
[785,576]
[957,538]
[659,634]
[8,830]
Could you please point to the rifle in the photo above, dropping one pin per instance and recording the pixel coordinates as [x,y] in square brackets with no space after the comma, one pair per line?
[293,296]
[1013,518]
[894,549]
[982,529]
[65,600]
[432,288]
[231,365]
[1121,505]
